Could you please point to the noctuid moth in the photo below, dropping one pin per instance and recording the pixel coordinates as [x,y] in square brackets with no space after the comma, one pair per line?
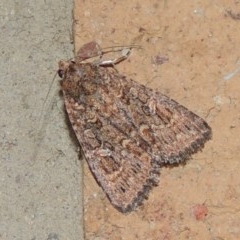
[126,130]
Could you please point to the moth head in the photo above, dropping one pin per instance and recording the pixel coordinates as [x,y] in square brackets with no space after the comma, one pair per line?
[63,66]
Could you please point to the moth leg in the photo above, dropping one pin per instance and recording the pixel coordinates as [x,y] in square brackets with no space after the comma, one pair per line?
[112,62]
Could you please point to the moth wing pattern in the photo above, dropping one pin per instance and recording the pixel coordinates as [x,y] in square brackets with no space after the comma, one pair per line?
[126,130]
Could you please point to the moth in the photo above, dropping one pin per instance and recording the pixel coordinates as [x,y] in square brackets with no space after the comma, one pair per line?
[126,130]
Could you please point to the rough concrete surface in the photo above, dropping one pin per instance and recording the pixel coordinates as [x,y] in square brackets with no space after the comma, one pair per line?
[201,39]
[40,172]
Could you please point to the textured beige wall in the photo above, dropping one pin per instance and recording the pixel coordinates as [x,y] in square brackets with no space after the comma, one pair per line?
[201,41]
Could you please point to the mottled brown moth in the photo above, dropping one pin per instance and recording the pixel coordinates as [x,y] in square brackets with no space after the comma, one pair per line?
[126,130]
